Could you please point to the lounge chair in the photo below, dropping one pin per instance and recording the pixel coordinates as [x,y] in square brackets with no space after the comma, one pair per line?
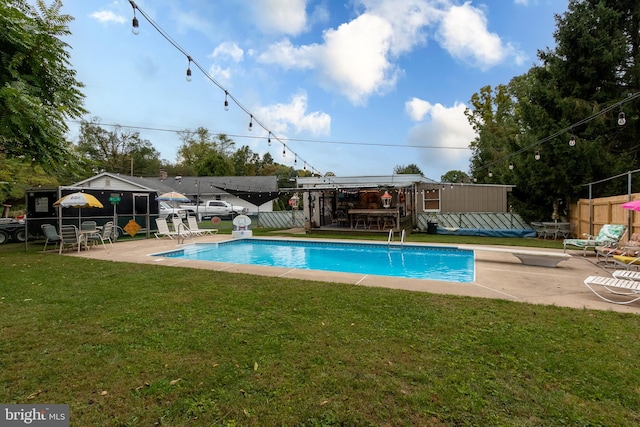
[630,248]
[51,235]
[69,237]
[626,288]
[609,235]
[627,261]
[195,229]
[627,275]
[163,229]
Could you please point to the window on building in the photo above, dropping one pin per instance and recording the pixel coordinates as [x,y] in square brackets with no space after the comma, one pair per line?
[431,200]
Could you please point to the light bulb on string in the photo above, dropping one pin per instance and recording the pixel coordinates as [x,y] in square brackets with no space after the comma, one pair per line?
[189,69]
[284,151]
[135,26]
[251,122]
[572,141]
[511,165]
[537,155]
[269,139]
[490,174]
[622,120]
[226,101]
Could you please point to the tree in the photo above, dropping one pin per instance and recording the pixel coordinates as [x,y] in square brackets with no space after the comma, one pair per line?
[524,127]
[38,88]
[246,162]
[409,169]
[206,154]
[117,151]
[455,176]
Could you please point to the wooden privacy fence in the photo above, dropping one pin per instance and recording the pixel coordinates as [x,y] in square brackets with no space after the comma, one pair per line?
[588,216]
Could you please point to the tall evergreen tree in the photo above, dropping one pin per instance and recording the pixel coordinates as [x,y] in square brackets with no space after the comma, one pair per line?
[521,126]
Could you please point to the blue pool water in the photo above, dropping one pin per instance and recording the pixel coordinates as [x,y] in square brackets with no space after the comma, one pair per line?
[418,262]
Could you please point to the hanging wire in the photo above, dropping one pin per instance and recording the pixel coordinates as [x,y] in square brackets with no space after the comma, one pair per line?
[562,131]
[227,94]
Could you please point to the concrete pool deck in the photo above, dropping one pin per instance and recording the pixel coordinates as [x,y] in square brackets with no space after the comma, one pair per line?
[499,275]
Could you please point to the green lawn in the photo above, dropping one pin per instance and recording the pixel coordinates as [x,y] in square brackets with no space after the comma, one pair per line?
[142,345]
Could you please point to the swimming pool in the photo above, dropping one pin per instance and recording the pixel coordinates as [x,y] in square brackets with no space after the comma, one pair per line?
[409,261]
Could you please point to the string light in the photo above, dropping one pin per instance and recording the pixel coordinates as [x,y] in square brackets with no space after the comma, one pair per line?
[227,97]
[511,165]
[537,155]
[189,69]
[269,139]
[135,26]
[622,120]
[572,140]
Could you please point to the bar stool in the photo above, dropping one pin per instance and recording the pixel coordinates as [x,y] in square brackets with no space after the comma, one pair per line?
[374,222]
[361,220]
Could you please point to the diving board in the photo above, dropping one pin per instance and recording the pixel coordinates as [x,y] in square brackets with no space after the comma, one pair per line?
[527,257]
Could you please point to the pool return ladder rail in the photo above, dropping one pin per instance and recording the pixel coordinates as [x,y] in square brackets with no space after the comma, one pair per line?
[391,237]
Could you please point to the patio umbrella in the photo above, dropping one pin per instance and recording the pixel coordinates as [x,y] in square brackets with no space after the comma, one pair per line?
[173,197]
[78,200]
[633,205]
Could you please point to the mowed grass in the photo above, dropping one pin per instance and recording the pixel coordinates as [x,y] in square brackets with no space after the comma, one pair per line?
[140,345]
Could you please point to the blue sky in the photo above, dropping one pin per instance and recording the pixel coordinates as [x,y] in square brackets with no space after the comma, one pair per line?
[351,87]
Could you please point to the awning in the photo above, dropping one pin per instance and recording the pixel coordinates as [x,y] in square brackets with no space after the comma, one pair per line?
[254,197]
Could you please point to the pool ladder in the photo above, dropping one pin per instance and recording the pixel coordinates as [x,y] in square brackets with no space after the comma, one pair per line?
[390,239]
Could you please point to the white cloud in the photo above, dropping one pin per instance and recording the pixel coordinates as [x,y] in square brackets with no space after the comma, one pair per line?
[408,20]
[222,75]
[522,2]
[287,56]
[417,108]
[464,34]
[357,59]
[280,16]
[445,134]
[106,16]
[354,58]
[228,50]
[282,118]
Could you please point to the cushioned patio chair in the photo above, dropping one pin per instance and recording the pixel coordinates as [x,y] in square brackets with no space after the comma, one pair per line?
[628,290]
[609,235]
[627,261]
[630,248]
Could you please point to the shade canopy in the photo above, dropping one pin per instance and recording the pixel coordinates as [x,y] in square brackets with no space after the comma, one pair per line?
[255,197]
